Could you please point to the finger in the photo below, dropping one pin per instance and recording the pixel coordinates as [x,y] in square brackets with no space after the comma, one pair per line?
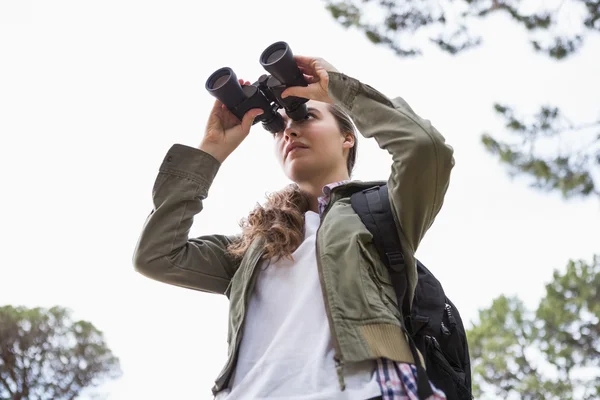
[307,71]
[249,119]
[214,117]
[322,74]
[313,63]
[217,105]
[310,79]
[307,65]
[304,61]
[299,91]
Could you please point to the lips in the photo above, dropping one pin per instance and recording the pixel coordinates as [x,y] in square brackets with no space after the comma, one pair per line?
[294,145]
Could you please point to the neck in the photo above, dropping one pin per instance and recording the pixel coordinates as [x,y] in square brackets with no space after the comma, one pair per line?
[314,186]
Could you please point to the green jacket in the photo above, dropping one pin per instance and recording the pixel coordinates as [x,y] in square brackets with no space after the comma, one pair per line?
[359,297]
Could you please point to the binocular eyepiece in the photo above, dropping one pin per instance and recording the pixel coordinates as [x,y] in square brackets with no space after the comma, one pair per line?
[278,60]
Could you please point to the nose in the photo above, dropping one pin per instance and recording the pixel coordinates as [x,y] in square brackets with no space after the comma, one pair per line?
[290,130]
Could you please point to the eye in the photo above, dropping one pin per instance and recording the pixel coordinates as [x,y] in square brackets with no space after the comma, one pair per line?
[308,116]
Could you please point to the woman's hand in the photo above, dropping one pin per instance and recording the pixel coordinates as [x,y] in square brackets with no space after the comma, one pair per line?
[315,72]
[224,131]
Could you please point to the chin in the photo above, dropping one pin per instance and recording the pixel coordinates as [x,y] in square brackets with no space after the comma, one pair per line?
[300,173]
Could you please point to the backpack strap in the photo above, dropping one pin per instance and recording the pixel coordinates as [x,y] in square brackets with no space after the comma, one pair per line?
[378,214]
[373,207]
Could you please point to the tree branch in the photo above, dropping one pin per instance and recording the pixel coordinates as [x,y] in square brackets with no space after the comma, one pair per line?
[5,384]
[10,366]
[581,127]
[25,383]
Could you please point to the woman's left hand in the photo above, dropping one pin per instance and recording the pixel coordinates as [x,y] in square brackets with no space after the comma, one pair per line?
[316,74]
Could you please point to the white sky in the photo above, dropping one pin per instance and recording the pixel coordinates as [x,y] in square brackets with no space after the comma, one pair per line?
[92,95]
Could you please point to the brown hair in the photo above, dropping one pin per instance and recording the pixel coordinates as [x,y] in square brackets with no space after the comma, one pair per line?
[281,219]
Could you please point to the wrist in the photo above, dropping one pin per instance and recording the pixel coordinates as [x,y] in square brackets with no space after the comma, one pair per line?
[212,150]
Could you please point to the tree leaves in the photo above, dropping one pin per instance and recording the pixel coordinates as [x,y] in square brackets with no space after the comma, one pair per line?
[447,22]
[532,355]
[517,353]
[44,354]
[570,315]
[571,171]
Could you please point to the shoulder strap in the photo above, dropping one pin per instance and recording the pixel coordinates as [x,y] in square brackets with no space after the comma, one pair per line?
[373,207]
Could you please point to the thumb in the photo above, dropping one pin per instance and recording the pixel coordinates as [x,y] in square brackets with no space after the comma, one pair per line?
[248,119]
[298,91]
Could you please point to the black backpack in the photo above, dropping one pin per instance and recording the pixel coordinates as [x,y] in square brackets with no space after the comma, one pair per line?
[433,324]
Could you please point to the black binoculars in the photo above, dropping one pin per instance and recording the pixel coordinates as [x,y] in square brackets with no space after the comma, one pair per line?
[265,93]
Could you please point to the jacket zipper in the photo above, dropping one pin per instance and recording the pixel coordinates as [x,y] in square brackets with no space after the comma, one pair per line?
[339,361]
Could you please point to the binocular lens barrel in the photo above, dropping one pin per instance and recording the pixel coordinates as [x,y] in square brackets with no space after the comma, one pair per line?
[278,60]
[220,82]
[275,56]
[223,84]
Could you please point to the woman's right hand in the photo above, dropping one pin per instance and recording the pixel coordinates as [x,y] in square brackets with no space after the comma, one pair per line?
[224,131]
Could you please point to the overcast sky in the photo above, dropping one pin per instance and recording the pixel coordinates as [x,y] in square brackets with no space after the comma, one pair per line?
[92,95]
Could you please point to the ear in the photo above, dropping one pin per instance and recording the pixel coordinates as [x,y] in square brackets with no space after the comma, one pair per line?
[348,141]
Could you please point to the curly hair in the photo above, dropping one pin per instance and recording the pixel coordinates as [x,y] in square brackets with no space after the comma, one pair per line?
[281,219]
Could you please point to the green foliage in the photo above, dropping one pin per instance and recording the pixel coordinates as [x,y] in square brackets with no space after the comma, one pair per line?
[570,316]
[44,354]
[519,354]
[446,22]
[539,151]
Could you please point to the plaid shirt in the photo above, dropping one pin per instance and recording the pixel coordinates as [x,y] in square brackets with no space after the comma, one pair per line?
[397,381]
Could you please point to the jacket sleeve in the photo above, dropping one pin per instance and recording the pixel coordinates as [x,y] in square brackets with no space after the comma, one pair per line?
[164,252]
[421,160]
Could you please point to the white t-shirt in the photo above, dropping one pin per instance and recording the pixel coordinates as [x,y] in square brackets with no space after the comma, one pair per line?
[286,351]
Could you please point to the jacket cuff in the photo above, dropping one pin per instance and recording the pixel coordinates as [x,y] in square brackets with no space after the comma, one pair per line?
[343,89]
[192,163]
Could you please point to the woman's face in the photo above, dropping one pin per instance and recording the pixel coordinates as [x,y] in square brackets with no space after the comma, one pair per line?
[320,145]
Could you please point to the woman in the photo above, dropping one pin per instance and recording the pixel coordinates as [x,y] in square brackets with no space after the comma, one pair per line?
[312,309]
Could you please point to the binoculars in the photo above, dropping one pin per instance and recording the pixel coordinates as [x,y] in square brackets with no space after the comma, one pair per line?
[265,93]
